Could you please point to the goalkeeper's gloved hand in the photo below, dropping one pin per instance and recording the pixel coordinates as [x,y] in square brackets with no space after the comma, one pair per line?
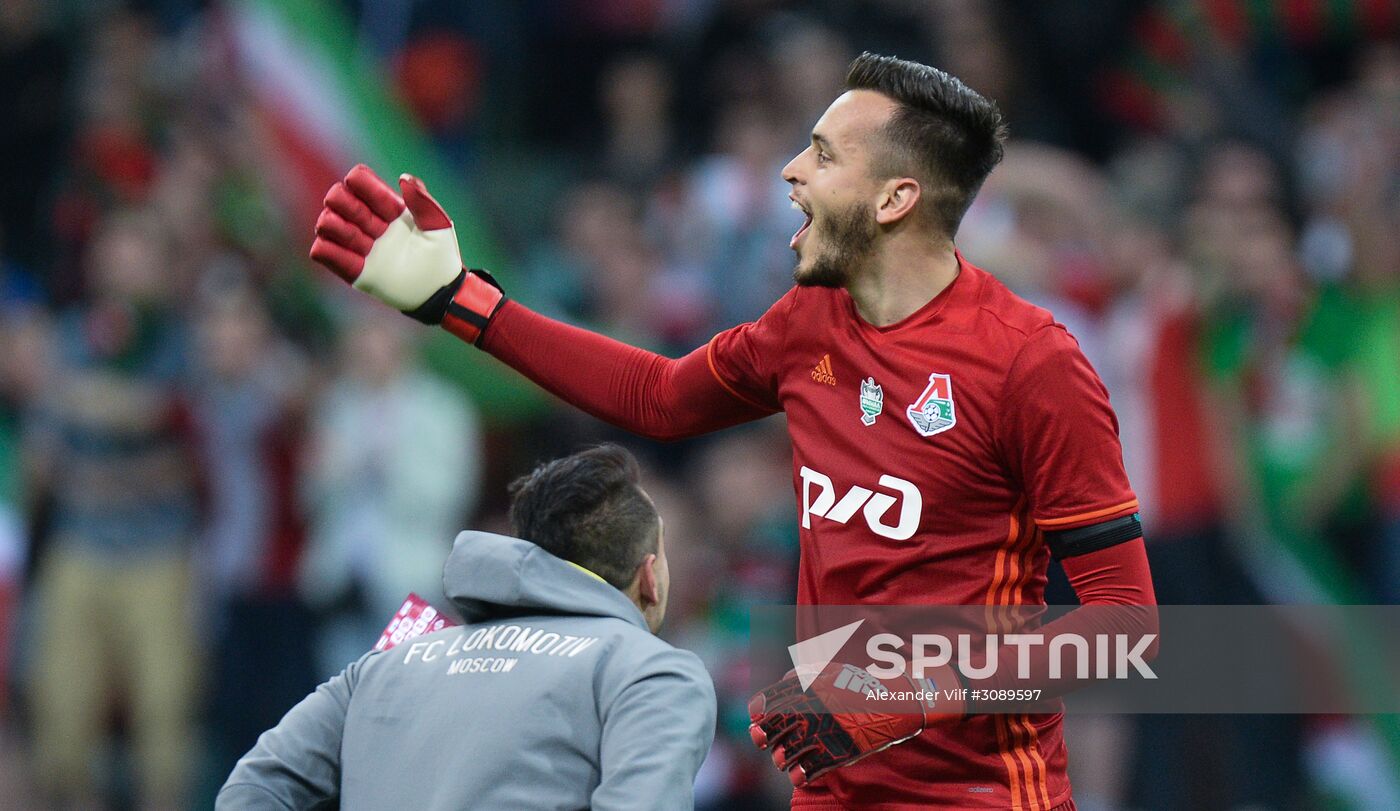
[403,251]
[841,717]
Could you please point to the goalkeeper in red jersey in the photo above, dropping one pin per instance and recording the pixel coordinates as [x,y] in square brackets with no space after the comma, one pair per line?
[948,437]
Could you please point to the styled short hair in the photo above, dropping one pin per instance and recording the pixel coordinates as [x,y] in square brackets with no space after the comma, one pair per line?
[943,132]
[588,508]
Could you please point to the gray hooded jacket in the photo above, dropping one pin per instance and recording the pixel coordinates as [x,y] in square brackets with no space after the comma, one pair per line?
[555,695]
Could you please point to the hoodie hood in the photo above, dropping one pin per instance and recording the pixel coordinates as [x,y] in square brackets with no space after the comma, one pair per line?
[492,577]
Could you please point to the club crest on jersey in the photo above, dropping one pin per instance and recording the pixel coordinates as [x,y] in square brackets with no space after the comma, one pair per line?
[872,400]
[933,412]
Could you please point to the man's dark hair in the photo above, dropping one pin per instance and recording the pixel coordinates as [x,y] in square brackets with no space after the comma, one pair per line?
[588,508]
[943,133]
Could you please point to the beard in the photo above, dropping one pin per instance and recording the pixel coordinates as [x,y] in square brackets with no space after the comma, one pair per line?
[848,240]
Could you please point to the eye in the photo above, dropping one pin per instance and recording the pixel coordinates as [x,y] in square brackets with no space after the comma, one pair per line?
[823,158]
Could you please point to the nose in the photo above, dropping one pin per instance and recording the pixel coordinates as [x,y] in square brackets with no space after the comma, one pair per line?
[790,171]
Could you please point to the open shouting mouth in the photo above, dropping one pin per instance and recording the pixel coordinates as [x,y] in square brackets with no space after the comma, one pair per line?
[806,223]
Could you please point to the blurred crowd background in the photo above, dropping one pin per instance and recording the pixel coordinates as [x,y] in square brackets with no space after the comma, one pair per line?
[220,472]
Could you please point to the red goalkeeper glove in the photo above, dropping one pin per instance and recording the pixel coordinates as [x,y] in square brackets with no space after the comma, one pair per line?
[845,715]
[403,251]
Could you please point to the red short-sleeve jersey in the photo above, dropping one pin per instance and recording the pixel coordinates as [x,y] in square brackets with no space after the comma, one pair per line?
[927,458]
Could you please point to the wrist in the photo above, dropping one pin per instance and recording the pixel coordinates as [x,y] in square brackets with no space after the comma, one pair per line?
[935,692]
[948,693]
[473,303]
[464,306]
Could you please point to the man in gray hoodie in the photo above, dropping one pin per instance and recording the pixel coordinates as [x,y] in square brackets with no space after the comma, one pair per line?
[555,695]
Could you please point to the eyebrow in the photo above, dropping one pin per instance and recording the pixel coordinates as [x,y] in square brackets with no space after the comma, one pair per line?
[821,142]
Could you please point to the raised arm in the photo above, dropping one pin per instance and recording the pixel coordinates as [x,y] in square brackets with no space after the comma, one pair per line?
[631,388]
[403,251]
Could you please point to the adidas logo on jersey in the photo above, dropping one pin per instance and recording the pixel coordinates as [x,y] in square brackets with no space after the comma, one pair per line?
[822,371]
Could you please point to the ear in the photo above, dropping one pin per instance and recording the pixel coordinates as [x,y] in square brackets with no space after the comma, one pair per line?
[648,589]
[897,200]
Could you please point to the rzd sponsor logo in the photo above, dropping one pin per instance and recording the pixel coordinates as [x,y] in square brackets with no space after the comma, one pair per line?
[819,499]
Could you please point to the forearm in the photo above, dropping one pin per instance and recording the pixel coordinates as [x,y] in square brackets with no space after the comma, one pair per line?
[1116,597]
[631,388]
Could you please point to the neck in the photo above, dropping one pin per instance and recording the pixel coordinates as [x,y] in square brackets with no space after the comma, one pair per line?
[903,277]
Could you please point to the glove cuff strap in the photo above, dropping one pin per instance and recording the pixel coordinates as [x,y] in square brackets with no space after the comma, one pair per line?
[950,692]
[477,299]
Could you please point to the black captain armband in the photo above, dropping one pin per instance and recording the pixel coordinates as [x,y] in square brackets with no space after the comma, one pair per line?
[1067,543]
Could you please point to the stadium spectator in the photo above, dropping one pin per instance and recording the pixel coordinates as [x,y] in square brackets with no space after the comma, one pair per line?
[395,465]
[249,392]
[1282,378]
[113,447]
[636,94]
[574,704]
[733,217]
